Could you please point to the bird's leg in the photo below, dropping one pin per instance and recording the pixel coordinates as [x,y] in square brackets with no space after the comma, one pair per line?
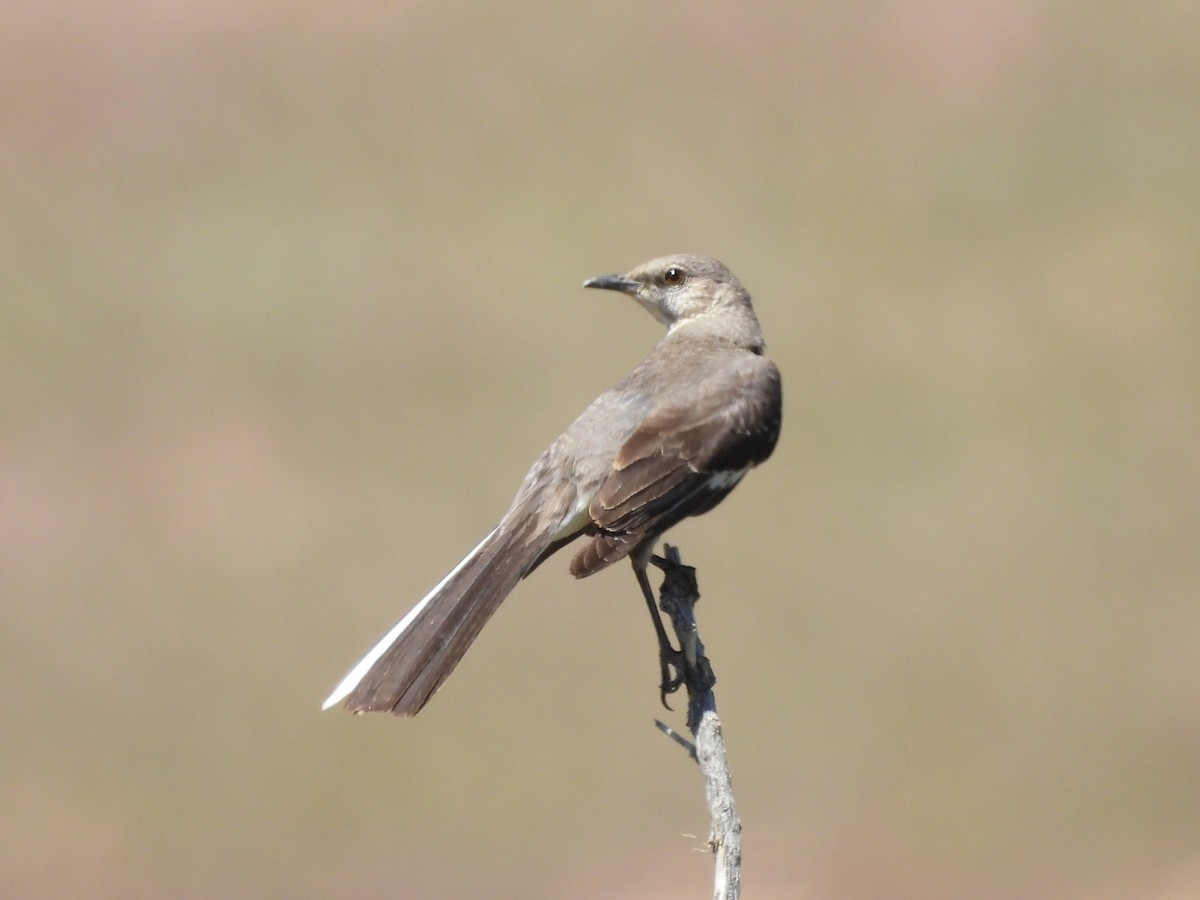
[668,656]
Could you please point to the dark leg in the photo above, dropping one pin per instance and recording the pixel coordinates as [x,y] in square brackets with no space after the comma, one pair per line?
[668,656]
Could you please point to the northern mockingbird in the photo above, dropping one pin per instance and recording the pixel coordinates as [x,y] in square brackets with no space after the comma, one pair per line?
[667,442]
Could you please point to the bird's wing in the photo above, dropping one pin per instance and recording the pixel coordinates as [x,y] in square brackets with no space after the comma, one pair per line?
[681,461]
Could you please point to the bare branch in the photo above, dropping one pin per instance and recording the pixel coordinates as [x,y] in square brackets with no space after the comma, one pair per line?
[677,598]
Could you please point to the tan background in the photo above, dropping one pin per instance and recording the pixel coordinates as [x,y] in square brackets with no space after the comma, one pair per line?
[290,302]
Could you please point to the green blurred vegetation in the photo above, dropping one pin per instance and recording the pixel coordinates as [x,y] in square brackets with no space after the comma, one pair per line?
[290,302]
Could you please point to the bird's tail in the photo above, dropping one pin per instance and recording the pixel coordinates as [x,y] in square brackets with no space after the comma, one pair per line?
[410,662]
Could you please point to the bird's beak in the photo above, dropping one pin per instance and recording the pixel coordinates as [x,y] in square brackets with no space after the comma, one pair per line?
[622,283]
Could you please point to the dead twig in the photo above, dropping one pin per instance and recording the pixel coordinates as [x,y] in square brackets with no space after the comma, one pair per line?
[677,598]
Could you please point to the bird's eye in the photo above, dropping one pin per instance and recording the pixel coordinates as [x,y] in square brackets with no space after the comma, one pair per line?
[674,275]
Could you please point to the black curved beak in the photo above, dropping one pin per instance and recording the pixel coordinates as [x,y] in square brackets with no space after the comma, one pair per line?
[620,283]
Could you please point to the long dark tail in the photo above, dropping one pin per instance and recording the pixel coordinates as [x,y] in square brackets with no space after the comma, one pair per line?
[410,662]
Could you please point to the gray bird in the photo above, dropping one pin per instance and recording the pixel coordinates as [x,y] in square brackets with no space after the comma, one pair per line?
[667,442]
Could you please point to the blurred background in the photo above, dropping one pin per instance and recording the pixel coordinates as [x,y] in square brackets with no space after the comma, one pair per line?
[291,302]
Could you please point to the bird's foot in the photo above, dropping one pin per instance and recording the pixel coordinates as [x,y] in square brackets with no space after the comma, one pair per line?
[670,659]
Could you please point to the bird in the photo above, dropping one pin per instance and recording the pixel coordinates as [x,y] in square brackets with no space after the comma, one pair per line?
[669,441]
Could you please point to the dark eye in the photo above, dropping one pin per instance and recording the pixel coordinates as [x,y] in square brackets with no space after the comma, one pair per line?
[674,275]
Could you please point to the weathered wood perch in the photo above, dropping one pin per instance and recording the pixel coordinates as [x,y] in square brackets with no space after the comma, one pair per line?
[677,598]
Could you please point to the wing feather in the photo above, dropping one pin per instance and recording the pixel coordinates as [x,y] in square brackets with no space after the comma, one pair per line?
[682,460]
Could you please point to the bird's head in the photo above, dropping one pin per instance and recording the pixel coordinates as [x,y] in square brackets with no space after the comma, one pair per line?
[676,288]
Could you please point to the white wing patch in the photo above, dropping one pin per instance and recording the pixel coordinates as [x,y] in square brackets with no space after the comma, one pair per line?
[723,481]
